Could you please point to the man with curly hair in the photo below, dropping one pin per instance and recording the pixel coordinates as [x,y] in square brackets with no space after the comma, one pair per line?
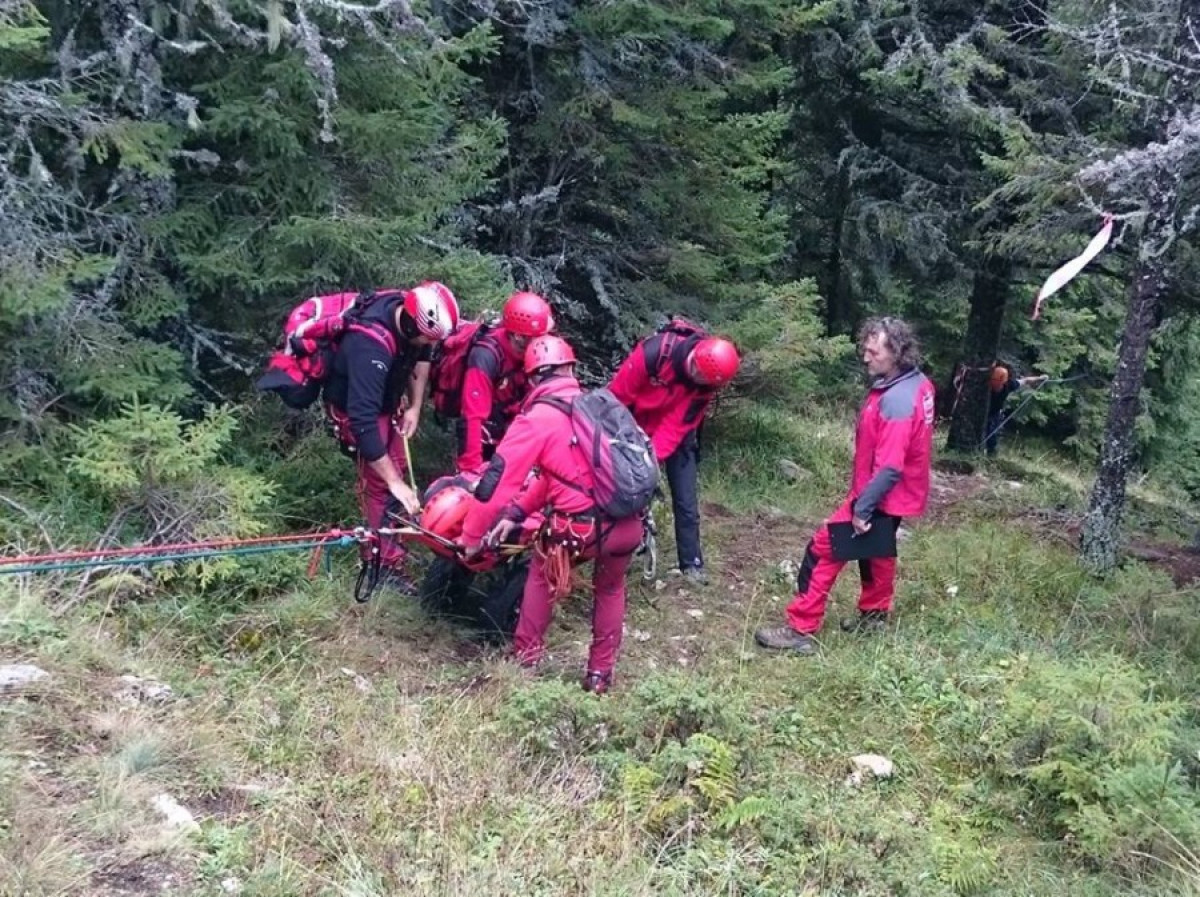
[893,449]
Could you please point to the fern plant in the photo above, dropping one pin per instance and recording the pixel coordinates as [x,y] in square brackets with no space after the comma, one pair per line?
[697,784]
[963,861]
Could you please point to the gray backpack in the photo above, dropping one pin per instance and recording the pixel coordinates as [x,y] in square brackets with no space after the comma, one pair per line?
[616,449]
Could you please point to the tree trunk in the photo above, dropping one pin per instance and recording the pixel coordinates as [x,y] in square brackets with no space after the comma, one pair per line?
[989,296]
[1099,537]
[1101,527]
[839,310]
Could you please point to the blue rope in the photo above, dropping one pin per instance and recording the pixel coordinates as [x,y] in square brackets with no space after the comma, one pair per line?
[137,560]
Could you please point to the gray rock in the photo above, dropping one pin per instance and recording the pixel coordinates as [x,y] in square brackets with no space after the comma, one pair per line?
[176,815]
[869,766]
[136,690]
[15,676]
[790,470]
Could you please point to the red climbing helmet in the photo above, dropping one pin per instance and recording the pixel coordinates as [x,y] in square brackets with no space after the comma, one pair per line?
[527,314]
[714,361]
[548,351]
[433,309]
[445,512]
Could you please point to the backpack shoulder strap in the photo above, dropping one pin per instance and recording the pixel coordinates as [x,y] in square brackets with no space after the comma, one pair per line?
[680,353]
[370,314]
[376,304]
[652,347]
[377,331]
[565,407]
[554,402]
[485,338]
[669,346]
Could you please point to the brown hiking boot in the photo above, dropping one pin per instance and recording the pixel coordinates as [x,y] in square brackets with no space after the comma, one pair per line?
[867,622]
[785,638]
[597,683]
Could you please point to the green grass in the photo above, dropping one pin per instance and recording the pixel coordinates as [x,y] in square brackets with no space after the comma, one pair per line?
[333,749]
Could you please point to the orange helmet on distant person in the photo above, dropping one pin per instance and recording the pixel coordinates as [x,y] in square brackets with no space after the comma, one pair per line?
[548,351]
[999,378]
[714,361]
[527,314]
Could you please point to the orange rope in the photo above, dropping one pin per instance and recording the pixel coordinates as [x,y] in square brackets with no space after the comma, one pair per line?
[314,563]
[558,555]
[556,560]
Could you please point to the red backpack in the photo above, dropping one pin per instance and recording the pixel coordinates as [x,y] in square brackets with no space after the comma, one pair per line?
[450,366]
[311,334]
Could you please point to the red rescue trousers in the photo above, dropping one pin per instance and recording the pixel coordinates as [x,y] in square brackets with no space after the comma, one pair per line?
[819,572]
[374,497]
[620,540]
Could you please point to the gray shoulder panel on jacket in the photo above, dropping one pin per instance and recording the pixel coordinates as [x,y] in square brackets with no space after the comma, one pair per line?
[900,399]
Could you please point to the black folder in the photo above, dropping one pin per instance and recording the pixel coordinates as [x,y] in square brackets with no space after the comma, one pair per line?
[877,542]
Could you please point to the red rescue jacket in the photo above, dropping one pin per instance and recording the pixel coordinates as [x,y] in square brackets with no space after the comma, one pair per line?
[539,438]
[664,402]
[893,447]
[494,387]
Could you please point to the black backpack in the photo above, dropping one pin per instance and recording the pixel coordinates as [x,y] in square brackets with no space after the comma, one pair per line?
[671,344]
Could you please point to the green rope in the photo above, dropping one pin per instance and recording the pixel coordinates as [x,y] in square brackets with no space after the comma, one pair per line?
[162,558]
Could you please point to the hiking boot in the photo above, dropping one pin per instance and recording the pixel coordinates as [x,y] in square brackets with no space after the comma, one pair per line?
[785,638]
[694,576]
[597,683]
[867,621]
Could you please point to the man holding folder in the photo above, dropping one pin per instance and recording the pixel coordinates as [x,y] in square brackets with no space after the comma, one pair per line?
[893,448]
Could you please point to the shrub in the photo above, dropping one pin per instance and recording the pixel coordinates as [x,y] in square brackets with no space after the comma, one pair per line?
[1093,742]
[790,357]
[160,478]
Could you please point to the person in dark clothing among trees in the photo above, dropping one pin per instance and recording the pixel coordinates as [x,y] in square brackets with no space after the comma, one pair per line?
[1001,385]
[373,398]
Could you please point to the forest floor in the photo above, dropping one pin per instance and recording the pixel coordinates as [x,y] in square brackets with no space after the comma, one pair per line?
[328,748]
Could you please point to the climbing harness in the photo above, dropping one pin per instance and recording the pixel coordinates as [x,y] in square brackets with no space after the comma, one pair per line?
[559,543]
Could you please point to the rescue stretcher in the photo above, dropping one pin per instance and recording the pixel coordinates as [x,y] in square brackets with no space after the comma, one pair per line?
[482,591]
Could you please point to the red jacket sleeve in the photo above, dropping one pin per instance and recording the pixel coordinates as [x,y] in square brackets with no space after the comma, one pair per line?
[477,399]
[631,378]
[534,496]
[518,452]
